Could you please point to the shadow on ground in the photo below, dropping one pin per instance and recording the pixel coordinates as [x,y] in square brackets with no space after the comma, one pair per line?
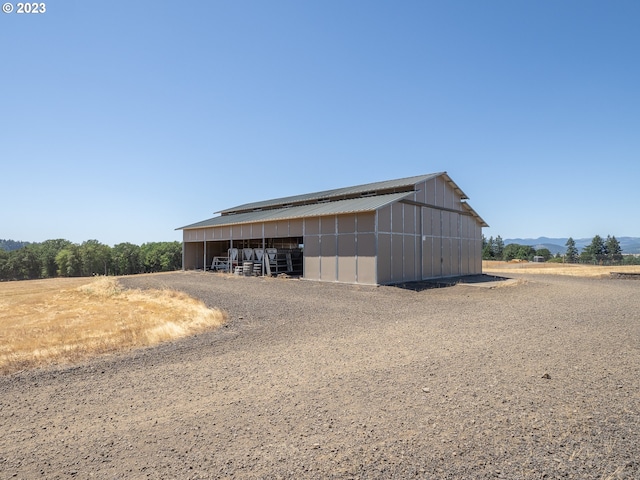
[450,282]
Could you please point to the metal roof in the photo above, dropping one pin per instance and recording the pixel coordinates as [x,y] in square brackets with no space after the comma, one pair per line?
[388,186]
[359,198]
[353,205]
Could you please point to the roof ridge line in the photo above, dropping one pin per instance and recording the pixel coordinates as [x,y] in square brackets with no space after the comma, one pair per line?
[327,194]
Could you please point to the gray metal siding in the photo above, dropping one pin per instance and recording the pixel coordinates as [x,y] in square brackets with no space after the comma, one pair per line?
[341,248]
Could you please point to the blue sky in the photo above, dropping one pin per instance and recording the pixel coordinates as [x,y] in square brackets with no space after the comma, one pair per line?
[120,121]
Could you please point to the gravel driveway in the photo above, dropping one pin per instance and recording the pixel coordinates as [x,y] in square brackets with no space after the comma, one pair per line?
[540,379]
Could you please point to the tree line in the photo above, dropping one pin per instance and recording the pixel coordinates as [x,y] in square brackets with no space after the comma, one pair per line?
[62,258]
[599,252]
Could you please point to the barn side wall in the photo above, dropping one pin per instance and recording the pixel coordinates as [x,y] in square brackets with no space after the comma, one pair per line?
[337,248]
[417,242]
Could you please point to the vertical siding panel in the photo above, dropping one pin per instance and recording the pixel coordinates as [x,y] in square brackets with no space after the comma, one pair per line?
[347,258]
[438,260]
[283,229]
[328,225]
[430,191]
[397,223]
[295,228]
[270,230]
[384,219]
[366,222]
[420,195]
[384,258]
[446,257]
[409,247]
[427,257]
[328,253]
[397,262]
[366,263]
[312,257]
[312,226]
[409,219]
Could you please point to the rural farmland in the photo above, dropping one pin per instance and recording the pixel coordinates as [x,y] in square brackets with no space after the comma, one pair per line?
[536,377]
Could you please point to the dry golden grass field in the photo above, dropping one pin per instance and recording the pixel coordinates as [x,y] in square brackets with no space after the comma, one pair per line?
[67,319]
[572,269]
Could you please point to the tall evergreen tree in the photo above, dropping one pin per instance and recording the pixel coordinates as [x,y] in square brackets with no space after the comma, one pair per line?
[498,248]
[596,251]
[572,252]
[614,251]
[487,248]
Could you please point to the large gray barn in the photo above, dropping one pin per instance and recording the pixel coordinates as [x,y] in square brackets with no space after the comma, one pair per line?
[415,228]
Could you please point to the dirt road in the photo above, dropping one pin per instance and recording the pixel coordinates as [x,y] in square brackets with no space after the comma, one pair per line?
[307,380]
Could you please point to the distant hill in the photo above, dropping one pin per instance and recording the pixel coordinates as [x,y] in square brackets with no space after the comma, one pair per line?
[10,245]
[558,245]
